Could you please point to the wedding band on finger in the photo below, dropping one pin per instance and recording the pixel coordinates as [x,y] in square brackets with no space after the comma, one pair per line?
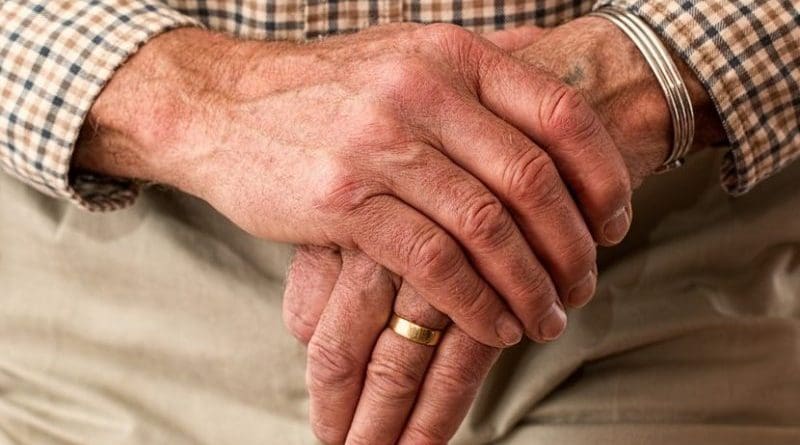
[414,332]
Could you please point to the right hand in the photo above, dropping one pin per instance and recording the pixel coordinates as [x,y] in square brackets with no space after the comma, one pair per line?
[414,144]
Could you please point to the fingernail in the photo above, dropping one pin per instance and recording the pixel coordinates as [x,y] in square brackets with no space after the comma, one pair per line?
[582,292]
[617,227]
[509,329]
[553,324]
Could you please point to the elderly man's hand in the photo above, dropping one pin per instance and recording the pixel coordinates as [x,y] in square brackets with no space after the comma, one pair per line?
[413,144]
[369,385]
[599,60]
[365,381]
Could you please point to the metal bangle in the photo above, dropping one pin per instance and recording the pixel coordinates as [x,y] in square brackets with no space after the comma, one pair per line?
[658,58]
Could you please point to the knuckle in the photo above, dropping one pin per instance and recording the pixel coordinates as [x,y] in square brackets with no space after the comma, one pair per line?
[453,377]
[300,328]
[447,34]
[379,125]
[569,114]
[433,254]
[412,157]
[368,276]
[408,84]
[406,79]
[459,45]
[485,221]
[538,180]
[330,364]
[344,190]
[394,380]
[521,175]
[475,306]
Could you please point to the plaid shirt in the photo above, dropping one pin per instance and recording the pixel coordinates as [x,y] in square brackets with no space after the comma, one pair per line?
[56,55]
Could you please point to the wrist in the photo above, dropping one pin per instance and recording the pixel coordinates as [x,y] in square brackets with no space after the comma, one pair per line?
[593,55]
[149,120]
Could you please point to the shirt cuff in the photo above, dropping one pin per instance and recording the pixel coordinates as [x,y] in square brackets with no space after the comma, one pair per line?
[740,52]
[56,58]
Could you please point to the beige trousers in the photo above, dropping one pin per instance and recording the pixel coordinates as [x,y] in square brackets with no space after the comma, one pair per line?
[161,325]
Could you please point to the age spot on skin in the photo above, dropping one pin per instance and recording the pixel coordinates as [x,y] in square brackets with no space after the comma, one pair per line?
[574,77]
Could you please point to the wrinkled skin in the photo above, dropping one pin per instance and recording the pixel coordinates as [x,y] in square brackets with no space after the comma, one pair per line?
[400,391]
[420,146]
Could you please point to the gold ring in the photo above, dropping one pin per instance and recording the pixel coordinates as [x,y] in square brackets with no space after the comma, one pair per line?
[414,332]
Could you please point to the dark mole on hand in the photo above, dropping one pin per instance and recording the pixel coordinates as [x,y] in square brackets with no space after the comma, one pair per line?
[574,77]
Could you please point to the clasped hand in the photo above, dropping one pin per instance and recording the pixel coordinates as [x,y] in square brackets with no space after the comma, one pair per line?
[438,164]
[369,385]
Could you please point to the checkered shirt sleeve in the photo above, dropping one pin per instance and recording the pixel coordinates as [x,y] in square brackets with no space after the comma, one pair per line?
[747,54]
[56,55]
[55,58]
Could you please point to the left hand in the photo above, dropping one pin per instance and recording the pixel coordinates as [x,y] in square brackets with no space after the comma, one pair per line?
[371,386]
[365,380]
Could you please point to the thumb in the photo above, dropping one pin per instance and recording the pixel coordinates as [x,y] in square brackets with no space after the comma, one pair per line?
[517,38]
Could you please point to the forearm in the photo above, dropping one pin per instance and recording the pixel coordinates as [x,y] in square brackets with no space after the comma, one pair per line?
[57,56]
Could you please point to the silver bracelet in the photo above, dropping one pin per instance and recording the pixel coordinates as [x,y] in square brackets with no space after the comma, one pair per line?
[675,91]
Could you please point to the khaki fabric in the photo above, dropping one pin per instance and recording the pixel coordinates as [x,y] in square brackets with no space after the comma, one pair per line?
[161,324]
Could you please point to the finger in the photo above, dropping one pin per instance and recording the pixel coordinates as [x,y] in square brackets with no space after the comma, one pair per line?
[456,372]
[309,283]
[561,121]
[421,252]
[525,178]
[341,345]
[394,374]
[465,208]
[517,38]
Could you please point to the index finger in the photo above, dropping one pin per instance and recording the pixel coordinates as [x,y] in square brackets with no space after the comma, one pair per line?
[309,284]
[342,342]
